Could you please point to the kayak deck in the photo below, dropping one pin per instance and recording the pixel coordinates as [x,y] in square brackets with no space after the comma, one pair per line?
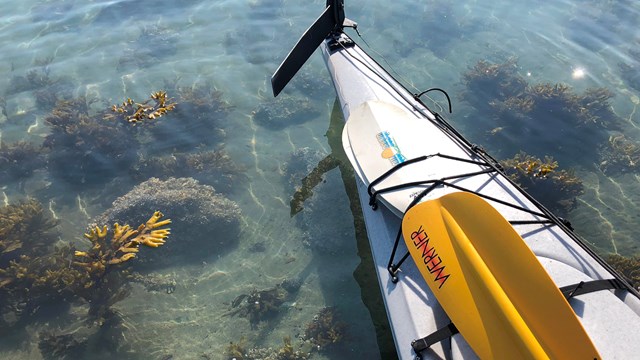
[610,318]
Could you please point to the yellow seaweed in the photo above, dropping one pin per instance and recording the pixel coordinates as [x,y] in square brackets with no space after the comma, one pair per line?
[123,245]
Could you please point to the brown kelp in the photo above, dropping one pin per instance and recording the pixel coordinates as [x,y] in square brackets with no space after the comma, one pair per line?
[19,160]
[288,351]
[35,274]
[84,148]
[628,266]
[262,305]
[27,238]
[198,119]
[324,230]
[592,108]
[31,285]
[487,81]
[554,188]
[35,78]
[154,43]
[25,228]
[61,346]
[326,330]
[499,86]
[546,112]
[283,111]
[46,88]
[619,155]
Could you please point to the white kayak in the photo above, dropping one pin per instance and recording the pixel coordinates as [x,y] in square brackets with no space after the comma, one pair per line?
[404,154]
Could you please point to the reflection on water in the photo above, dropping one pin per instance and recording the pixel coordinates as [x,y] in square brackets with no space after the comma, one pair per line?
[238,275]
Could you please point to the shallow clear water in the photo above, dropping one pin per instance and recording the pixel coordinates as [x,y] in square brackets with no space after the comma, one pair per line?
[108,51]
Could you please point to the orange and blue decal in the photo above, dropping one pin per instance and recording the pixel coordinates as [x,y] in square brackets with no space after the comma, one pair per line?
[390,149]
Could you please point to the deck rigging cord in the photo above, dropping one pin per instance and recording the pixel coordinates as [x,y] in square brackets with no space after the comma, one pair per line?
[417,93]
[341,40]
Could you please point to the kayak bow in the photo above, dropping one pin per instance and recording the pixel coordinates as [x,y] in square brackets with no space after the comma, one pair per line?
[497,288]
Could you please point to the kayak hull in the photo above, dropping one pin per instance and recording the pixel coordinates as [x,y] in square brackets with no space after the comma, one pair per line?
[610,318]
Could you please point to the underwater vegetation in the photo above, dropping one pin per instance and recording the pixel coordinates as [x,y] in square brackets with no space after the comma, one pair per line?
[40,275]
[31,285]
[19,160]
[262,305]
[27,237]
[496,82]
[555,189]
[201,100]
[322,219]
[284,111]
[92,145]
[133,112]
[60,347]
[300,163]
[288,351]
[326,330]
[122,246]
[310,84]
[46,89]
[629,266]
[212,167]
[206,223]
[197,120]
[84,148]
[154,43]
[549,113]
[505,91]
[590,108]
[619,155]
[86,342]
[253,45]
[34,272]
[323,333]
[34,79]
[110,250]
[25,229]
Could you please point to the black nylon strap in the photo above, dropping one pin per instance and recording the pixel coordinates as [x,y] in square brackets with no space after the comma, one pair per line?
[569,291]
[583,287]
[433,338]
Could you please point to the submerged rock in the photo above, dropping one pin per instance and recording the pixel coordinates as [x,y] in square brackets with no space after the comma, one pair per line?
[283,111]
[319,200]
[204,222]
[300,164]
[327,230]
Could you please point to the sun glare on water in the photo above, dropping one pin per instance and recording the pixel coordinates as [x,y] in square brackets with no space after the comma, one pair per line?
[578,73]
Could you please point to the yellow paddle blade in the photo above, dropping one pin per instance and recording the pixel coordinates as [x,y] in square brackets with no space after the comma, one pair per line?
[490,284]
